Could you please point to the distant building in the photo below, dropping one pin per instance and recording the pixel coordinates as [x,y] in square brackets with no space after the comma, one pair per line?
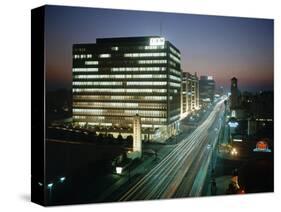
[256,109]
[116,78]
[234,104]
[206,89]
[190,93]
[221,91]
[252,126]
[260,107]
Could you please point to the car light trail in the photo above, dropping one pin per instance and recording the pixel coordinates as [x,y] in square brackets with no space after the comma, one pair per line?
[166,178]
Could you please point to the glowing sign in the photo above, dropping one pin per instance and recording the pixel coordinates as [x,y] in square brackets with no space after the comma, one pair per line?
[233,124]
[262,146]
[156,41]
[210,77]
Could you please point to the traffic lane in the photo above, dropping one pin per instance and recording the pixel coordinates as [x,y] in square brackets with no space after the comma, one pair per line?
[199,130]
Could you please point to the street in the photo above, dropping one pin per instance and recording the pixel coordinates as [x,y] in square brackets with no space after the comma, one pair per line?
[182,172]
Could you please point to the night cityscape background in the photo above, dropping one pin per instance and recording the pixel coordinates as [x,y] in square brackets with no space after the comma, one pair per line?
[222,47]
[202,127]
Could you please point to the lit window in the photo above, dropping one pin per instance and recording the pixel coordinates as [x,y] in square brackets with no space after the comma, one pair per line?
[177,72]
[120,69]
[114,97]
[97,83]
[120,76]
[105,55]
[173,63]
[154,47]
[85,69]
[158,54]
[152,61]
[114,48]
[119,90]
[175,84]
[175,78]
[91,62]
[146,83]
[175,58]
[175,52]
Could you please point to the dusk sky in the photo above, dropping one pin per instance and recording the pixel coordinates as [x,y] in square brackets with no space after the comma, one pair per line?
[223,47]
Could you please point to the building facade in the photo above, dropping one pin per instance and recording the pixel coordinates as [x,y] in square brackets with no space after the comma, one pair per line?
[116,78]
[206,89]
[190,93]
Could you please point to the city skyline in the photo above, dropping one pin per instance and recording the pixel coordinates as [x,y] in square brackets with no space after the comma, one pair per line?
[130,105]
[223,47]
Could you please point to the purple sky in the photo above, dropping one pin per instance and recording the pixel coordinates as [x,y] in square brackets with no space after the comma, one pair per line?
[210,45]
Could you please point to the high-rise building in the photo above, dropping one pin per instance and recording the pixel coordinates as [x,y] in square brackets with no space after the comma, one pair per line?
[206,89]
[116,78]
[234,93]
[190,93]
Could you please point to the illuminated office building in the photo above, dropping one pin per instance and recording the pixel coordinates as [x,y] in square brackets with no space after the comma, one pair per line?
[206,90]
[190,93]
[117,78]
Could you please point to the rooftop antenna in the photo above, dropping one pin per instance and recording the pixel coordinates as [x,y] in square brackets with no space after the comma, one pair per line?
[161,28]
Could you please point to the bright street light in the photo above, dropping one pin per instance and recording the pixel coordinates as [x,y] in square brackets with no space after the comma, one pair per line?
[50,185]
[233,124]
[234,152]
[62,179]
[119,170]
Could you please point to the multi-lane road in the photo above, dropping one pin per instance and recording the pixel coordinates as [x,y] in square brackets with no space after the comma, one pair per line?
[183,171]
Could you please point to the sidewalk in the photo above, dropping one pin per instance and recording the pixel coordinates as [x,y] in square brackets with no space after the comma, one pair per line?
[222,185]
[147,163]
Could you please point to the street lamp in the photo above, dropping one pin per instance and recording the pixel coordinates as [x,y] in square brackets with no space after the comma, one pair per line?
[50,185]
[119,170]
[62,179]
[234,152]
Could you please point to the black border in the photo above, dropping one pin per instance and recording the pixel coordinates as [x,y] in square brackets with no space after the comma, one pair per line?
[37,106]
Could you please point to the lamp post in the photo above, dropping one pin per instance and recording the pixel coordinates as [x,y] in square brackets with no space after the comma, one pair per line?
[129,170]
[50,189]
[62,179]
[119,170]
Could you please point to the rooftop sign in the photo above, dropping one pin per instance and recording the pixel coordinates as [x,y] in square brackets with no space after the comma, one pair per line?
[156,41]
[262,146]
